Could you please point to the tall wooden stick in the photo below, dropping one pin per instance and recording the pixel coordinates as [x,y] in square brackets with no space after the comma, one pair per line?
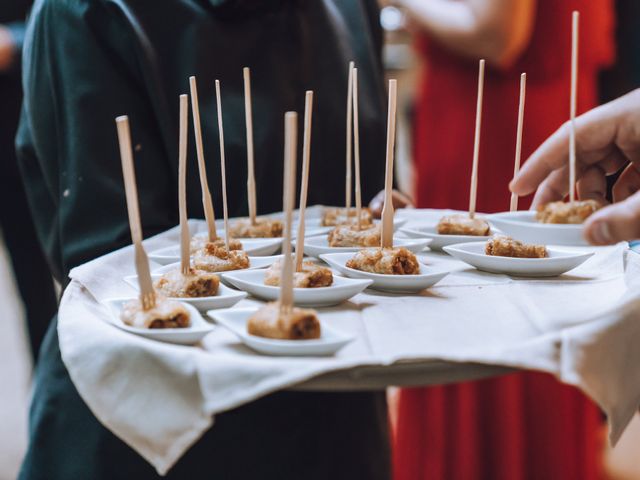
[574,95]
[356,144]
[516,167]
[185,236]
[476,143]
[223,170]
[387,209]
[202,168]
[348,179]
[290,140]
[304,183]
[147,294]
[248,118]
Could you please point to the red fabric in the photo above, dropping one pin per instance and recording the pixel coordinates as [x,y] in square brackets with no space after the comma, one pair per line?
[523,426]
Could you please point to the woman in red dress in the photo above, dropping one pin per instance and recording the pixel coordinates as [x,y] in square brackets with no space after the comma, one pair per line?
[525,425]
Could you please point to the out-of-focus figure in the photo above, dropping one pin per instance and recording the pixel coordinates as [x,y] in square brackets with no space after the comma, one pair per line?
[31,270]
[523,426]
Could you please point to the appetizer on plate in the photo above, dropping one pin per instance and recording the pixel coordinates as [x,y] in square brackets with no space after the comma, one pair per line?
[199,242]
[463,224]
[311,275]
[385,261]
[165,314]
[284,324]
[352,236]
[196,283]
[263,228]
[505,246]
[216,259]
[332,217]
[566,212]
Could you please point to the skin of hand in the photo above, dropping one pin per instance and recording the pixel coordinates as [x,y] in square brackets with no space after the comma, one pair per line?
[399,199]
[497,30]
[7,49]
[607,140]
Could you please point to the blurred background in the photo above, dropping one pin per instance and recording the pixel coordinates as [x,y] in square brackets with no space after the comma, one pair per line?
[402,61]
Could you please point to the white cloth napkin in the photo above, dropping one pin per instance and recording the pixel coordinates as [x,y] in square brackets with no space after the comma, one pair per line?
[161,398]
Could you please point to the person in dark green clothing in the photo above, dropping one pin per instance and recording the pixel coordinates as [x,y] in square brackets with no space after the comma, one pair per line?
[88,61]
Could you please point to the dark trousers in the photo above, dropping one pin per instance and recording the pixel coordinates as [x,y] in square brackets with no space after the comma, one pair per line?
[287,435]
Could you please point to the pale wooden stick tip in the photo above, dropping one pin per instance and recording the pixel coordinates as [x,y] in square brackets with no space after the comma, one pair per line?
[122,118]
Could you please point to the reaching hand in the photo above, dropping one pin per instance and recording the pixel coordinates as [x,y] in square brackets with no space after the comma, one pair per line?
[400,200]
[7,49]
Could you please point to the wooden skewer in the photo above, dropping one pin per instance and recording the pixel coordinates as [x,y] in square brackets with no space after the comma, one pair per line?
[574,95]
[387,209]
[223,170]
[348,179]
[306,154]
[204,184]
[248,117]
[147,293]
[185,237]
[516,167]
[286,278]
[356,143]
[476,144]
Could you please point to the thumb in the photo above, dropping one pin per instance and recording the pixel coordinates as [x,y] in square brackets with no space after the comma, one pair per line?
[615,223]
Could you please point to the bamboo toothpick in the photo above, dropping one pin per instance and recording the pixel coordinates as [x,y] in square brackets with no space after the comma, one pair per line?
[202,169]
[356,145]
[286,278]
[223,170]
[185,237]
[304,183]
[387,209]
[476,143]
[574,95]
[348,178]
[147,294]
[248,118]
[516,167]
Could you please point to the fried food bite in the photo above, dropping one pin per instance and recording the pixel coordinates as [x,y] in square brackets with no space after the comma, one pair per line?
[566,212]
[504,246]
[311,276]
[351,236]
[215,259]
[166,314]
[199,242]
[386,261]
[462,224]
[196,283]
[296,324]
[263,228]
[332,217]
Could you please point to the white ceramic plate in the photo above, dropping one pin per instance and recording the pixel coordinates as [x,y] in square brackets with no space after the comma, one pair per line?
[524,226]
[330,341]
[255,247]
[225,298]
[316,246]
[182,336]
[252,281]
[387,283]
[558,262]
[439,241]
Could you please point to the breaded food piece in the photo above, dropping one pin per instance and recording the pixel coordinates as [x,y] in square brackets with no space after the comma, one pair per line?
[217,259]
[350,236]
[462,224]
[296,324]
[198,242]
[196,283]
[504,246]
[566,212]
[332,217]
[166,314]
[311,276]
[264,228]
[386,261]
